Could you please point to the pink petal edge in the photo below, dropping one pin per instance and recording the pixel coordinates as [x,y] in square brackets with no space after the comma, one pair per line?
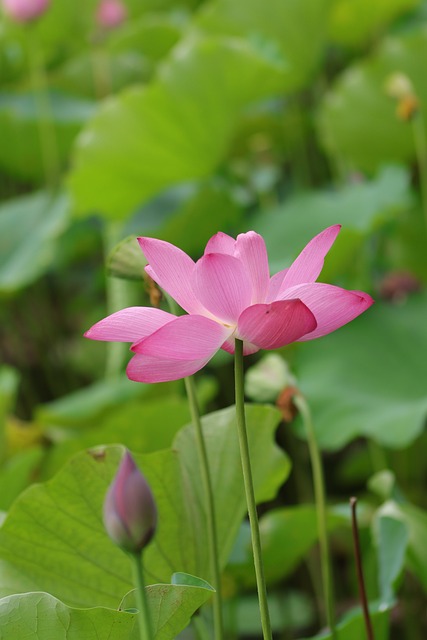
[220,243]
[332,306]
[251,250]
[274,325]
[185,338]
[222,285]
[151,369]
[129,325]
[308,265]
[173,270]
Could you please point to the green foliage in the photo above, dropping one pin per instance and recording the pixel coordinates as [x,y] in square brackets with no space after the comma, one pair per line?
[357,119]
[352,626]
[360,208]
[354,22]
[392,543]
[367,378]
[287,535]
[178,128]
[273,31]
[37,616]
[29,226]
[413,530]
[21,151]
[54,540]
[189,118]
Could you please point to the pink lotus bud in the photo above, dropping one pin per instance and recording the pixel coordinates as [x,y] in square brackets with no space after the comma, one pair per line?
[130,513]
[25,10]
[111,13]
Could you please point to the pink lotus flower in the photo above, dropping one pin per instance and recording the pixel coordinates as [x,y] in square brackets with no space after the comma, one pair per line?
[25,10]
[111,13]
[130,514]
[228,294]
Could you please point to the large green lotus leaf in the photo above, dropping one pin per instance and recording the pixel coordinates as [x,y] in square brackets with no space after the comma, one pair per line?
[286,536]
[354,22]
[176,129]
[171,605]
[367,379]
[352,627]
[20,151]
[357,119]
[29,228]
[359,207]
[415,524]
[282,27]
[38,616]
[270,468]
[53,538]
[141,426]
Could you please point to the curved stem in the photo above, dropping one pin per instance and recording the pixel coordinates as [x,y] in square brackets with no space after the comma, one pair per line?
[319,495]
[249,490]
[145,629]
[210,506]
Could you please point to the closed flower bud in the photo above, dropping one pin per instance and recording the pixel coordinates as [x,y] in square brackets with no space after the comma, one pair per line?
[25,10]
[111,13]
[130,513]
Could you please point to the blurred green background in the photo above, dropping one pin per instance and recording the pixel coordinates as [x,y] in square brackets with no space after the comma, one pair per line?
[283,116]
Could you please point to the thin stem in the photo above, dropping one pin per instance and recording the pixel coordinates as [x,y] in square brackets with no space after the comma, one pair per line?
[146,632]
[319,496]
[210,507]
[48,144]
[359,569]
[420,140]
[249,490]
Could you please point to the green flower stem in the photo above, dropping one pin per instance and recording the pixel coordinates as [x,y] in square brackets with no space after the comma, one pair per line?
[249,490]
[144,618]
[319,494]
[48,144]
[210,507]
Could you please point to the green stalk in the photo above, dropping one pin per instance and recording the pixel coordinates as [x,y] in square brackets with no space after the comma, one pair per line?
[319,495]
[145,629]
[249,490]
[210,507]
